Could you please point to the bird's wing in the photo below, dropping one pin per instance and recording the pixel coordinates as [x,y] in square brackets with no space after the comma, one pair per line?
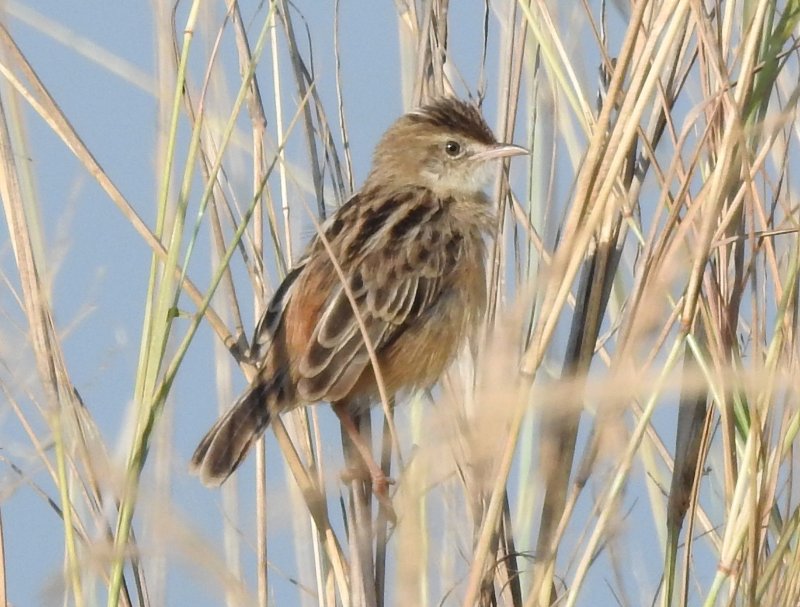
[397,275]
[271,318]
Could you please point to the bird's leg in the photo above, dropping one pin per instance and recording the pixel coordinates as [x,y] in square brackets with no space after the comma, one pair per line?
[380,484]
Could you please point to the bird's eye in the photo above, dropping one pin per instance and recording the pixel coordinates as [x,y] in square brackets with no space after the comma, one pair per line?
[453,148]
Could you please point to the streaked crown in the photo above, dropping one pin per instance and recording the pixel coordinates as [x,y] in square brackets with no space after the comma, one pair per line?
[454,116]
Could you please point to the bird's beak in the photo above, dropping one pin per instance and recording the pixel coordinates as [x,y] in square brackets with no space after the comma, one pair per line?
[500,150]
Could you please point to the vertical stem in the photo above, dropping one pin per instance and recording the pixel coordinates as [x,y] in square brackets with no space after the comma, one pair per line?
[3,597]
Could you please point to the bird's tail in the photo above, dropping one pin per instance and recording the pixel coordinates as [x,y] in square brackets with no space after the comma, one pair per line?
[225,446]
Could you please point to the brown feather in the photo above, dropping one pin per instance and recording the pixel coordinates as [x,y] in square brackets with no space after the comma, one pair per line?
[226,444]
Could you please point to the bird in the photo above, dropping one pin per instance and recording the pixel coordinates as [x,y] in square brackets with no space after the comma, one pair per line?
[400,265]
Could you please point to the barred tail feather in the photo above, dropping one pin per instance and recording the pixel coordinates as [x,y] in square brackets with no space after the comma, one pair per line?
[225,446]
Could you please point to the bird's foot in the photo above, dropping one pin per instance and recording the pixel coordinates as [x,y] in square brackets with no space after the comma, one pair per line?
[380,486]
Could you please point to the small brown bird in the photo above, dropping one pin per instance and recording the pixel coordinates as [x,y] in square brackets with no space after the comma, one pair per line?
[411,246]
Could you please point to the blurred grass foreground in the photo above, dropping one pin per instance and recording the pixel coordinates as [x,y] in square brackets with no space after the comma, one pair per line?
[623,433]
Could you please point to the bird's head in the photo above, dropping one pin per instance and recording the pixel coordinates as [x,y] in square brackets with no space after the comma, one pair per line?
[445,146]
